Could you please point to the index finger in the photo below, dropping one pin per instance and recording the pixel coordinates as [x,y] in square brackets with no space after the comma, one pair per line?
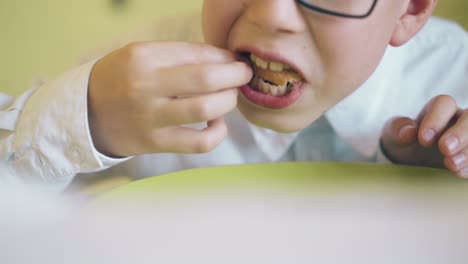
[436,119]
[166,54]
[191,80]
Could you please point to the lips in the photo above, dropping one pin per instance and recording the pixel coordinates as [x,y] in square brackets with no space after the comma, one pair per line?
[276,84]
[270,101]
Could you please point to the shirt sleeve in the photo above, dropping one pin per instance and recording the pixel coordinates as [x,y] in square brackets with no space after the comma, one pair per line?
[382,156]
[44,133]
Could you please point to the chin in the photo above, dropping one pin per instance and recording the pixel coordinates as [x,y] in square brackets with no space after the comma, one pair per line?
[278,120]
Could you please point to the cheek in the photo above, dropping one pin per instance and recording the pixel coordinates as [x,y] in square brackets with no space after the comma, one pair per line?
[362,51]
[351,52]
[218,18]
[363,45]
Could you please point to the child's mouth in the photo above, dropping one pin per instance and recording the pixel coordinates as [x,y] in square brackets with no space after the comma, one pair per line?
[272,78]
[274,85]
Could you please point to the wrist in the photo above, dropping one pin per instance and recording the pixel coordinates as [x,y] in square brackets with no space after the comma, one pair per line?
[384,154]
[99,138]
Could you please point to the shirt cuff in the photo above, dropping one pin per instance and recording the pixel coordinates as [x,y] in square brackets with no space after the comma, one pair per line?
[382,155]
[52,139]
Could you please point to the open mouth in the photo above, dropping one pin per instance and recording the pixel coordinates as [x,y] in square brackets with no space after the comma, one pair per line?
[274,85]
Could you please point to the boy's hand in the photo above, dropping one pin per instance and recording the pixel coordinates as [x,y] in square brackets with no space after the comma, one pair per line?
[437,138]
[141,95]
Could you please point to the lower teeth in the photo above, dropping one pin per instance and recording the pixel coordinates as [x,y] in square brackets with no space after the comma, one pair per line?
[267,87]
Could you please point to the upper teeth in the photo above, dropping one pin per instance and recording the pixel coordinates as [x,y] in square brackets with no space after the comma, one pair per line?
[274,66]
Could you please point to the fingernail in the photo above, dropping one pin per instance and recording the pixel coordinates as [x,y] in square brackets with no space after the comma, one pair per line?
[464,173]
[452,143]
[458,159]
[429,135]
[404,130]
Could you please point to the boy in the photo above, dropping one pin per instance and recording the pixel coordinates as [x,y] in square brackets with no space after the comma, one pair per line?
[286,65]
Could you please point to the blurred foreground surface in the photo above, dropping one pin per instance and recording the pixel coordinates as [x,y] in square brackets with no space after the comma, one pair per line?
[329,225]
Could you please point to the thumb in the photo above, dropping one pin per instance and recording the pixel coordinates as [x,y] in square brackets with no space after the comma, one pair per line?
[400,131]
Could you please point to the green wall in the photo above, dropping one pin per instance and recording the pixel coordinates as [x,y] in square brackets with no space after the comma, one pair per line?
[45,37]
[454,9]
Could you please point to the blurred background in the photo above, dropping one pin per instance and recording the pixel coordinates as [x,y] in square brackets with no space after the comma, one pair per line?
[42,38]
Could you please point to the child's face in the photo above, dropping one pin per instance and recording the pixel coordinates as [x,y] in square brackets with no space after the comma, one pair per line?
[333,55]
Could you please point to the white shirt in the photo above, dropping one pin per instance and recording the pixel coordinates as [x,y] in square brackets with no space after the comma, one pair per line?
[45,137]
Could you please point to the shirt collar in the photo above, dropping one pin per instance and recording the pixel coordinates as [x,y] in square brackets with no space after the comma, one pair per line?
[273,144]
[360,117]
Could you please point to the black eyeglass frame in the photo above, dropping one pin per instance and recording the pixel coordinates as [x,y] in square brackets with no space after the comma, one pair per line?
[333,13]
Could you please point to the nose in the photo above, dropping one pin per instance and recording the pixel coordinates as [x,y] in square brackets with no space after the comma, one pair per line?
[276,15]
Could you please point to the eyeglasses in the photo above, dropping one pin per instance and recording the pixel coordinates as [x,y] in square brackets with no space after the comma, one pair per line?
[341,8]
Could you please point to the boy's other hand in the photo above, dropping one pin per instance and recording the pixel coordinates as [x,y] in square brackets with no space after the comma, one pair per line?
[141,95]
[437,138]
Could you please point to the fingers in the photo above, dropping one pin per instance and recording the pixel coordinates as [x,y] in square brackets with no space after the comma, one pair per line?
[188,140]
[169,54]
[458,163]
[189,80]
[443,122]
[456,137]
[400,131]
[436,117]
[454,146]
[198,53]
[197,109]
